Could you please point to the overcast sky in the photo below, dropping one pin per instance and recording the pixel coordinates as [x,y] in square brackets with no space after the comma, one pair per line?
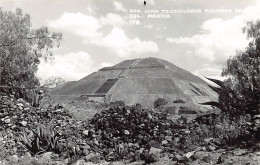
[196,35]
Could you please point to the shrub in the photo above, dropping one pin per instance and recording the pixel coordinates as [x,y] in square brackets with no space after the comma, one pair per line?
[225,129]
[138,107]
[120,103]
[159,102]
[178,101]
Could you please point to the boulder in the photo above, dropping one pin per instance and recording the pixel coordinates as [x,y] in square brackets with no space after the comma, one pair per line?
[7,121]
[207,158]
[85,151]
[89,157]
[23,123]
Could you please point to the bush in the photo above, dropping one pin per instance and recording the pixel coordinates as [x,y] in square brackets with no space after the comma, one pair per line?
[120,103]
[159,102]
[226,130]
[179,101]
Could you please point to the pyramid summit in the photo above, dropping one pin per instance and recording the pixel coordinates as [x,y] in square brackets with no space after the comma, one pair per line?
[141,81]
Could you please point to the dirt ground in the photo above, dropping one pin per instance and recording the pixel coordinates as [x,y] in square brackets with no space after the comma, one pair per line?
[222,157]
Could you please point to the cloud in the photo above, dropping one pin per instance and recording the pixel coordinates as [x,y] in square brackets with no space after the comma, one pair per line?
[86,26]
[90,29]
[78,24]
[105,64]
[119,43]
[91,9]
[210,73]
[119,6]
[206,53]
[71,66]
[112,19]
[218,39]
[149,26]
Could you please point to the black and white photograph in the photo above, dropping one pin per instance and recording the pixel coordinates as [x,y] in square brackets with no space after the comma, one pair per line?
[135,82]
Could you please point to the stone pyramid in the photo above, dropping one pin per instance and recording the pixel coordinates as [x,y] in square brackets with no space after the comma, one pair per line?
[140,81]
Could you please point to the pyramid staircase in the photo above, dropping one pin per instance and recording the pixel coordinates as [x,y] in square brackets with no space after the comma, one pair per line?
[106,86]
[126,71]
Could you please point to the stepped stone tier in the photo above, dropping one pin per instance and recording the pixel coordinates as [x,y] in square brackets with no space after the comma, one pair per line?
[140,81]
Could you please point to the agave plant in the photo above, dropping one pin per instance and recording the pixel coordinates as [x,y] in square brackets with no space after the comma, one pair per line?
[120,151]
[228,102]
[217,90]
[44,139]
[32,146]
[48,136]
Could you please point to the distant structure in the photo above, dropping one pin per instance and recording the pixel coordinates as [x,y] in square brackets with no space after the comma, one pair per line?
[141,81]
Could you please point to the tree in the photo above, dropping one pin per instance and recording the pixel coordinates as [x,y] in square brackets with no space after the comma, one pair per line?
[242,87]
[21,49]
[53,81]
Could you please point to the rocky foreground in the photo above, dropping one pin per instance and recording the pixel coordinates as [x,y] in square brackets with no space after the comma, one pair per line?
[120,135]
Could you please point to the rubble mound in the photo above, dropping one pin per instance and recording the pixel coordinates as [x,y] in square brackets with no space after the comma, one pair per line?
[19,119]
[119,133]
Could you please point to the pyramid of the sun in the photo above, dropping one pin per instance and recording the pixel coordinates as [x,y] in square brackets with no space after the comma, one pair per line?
[140,81]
